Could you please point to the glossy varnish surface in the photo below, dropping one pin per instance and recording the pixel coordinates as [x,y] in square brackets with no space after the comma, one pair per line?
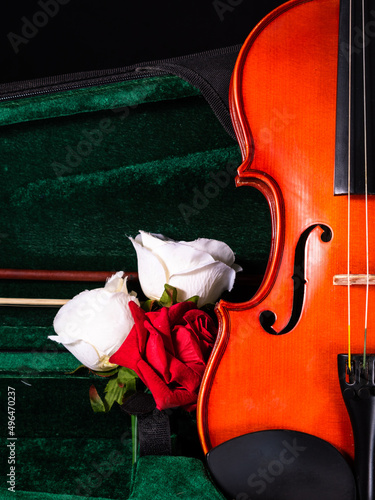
[283,100]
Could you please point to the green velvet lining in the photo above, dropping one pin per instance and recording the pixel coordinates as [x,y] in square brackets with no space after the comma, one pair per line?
[62,445]
[80,172]
[56,407]
[170,478]
[83,467]
[110,96]
[50,365]
[73,188]
[154,478]
[64,223]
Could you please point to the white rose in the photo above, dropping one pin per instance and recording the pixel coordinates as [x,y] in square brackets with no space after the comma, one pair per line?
[94,324]
[203,267]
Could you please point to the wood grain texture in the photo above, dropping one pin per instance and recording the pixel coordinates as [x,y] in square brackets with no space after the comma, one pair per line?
[32,302]
[283,101]
[60,275]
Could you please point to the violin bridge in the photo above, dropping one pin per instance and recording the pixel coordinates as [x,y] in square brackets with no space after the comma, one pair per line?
[354,279]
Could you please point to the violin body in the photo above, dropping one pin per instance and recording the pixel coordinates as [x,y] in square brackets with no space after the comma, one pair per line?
[274,365]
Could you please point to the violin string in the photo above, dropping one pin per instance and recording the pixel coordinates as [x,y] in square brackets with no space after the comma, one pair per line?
[366,181]
[349,176]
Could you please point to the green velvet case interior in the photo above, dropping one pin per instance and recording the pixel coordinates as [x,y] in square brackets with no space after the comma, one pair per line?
[80,171]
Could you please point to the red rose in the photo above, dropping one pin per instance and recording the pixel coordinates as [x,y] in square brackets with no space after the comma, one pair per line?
[168,349]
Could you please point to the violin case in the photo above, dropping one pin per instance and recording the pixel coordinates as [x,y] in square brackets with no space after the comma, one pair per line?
[112,120]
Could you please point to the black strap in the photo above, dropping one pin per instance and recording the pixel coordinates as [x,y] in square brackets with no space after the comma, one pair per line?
[154,432]
[210,72]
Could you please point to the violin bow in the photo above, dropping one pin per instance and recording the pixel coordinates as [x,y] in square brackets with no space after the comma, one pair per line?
[51,275]
[84,276]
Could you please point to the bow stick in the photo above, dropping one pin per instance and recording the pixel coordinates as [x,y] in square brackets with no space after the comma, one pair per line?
[89,276]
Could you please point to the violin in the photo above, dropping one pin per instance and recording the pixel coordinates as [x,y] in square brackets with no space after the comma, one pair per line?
[302,103]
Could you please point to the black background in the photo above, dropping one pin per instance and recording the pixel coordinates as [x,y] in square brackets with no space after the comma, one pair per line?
[87,35]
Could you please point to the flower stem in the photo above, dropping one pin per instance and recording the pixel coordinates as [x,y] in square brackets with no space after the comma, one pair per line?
[134,423]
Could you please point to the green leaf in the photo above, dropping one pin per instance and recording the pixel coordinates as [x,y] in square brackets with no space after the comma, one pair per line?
[194,299]
[147,305]
[118,387]
[114,392]
[168,299]
[125,375]
[96,401]
[169,296]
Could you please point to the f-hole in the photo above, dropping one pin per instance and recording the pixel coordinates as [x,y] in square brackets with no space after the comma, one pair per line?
[267,318]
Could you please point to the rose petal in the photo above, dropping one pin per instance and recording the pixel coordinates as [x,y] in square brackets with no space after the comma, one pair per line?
[188,349]
[151,240]
[161,356]
[177,312]
[208,283]
[128,354]
[98,317]
[202,323]
[151,271]
[139,317]
[205,328]
[86,354]
[115,282]
[183,375]
[159,323]
[178,258]
[217,249]
[156,355]
[164,397]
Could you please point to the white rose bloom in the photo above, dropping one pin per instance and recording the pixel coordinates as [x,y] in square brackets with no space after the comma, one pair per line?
[94,324]
[203,267]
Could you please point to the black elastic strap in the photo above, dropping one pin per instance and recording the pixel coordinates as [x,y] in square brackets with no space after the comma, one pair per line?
[154,432]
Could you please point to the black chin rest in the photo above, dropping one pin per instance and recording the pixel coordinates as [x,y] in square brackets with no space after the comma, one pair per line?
[281,465]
